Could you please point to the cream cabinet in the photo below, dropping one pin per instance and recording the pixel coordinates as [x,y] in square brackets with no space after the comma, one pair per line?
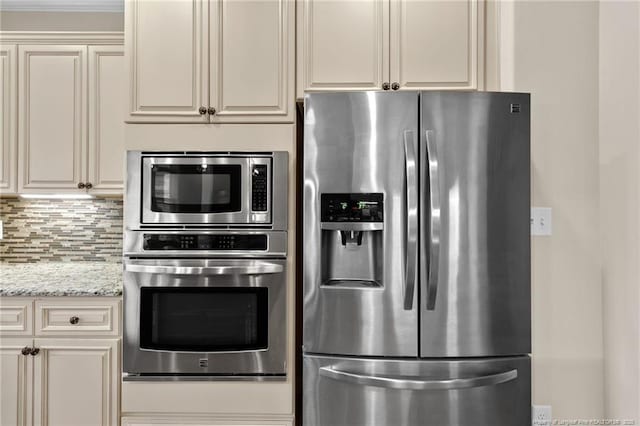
[202,421]
[63,89]
[8,118]
[107,111]
[70,379]
[390,44]
[210,61]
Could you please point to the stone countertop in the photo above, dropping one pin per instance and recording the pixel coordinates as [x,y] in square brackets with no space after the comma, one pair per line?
[61,279]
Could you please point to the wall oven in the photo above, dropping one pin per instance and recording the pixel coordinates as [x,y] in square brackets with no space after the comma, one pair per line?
[205,286]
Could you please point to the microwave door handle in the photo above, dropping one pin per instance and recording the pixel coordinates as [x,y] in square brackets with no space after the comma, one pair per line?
[412,218]
[402,382]
[257,269]
[430,160]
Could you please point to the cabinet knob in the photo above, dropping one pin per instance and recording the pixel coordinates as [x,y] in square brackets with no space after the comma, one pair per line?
[26,350]
[202,110]
[212,111]
[88,185]
[74,320]
[395,86]
[385,86]
[81,185]
[34,351]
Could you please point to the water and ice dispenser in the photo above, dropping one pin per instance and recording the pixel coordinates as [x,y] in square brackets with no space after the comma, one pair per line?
[352,243]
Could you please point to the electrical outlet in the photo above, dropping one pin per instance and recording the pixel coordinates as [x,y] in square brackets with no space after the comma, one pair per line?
[541,415]
[541,221]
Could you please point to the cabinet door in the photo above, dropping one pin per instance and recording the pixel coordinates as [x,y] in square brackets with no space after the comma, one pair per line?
[107,92]
[435,44]
[345,44]
[167,58]
[52,117]
[8,119]
[15,382]
[252,60]
[76,382]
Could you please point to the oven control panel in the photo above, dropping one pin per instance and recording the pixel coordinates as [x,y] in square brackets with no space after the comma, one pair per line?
[259,188]
[204,242]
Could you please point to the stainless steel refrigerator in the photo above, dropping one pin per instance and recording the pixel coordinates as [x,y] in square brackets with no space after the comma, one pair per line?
[416,304]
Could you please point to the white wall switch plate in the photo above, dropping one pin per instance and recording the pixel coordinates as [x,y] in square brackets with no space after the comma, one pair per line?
[1,230]
[541,221]
[541,415]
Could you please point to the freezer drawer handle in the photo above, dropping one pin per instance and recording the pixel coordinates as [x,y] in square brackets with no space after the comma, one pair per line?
[412,219]
[431,159]
[257,269]
[399,382]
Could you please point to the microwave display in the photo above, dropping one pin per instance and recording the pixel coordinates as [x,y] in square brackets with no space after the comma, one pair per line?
[195,188]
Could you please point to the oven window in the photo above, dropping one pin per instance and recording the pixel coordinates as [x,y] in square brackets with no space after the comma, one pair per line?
[204,319]
[195,188]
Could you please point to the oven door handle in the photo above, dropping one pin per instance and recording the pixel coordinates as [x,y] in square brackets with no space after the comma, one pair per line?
[261,268]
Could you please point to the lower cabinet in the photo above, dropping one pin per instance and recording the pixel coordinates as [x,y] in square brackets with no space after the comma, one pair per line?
[71,380]
[59,382]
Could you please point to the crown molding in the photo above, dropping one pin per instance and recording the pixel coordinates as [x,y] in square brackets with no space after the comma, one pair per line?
[63,5]
[62,37]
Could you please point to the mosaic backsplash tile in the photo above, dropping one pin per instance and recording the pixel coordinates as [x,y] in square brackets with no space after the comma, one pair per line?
[61,230]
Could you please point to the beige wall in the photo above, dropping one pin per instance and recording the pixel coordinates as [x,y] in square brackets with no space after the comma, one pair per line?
[620,205]
[550,48]
[61,21]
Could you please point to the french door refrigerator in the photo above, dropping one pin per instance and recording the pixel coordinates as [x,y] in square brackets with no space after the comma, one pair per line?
[416,304]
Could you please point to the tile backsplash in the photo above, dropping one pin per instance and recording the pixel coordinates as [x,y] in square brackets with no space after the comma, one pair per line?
[61,230]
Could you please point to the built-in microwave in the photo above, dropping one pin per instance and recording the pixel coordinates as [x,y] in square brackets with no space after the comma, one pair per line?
[206,189]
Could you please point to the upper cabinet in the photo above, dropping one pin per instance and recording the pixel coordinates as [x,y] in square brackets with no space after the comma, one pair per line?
[107,110]
[8,118]
[217,61]
[53,90]
[390,44]
[71,109]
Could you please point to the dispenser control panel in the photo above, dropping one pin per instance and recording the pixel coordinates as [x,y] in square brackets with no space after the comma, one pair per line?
[368,207]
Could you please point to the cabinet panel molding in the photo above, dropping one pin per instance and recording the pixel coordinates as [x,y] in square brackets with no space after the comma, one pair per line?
[107,100]
[52,120]
[345,44]
[251,72]
[16,371]
[16,317]
[167,53]
[8,119]
[76,382]
[435,43]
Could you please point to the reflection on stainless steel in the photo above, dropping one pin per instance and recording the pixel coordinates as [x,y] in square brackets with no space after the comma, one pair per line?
[454,237]
[362,392]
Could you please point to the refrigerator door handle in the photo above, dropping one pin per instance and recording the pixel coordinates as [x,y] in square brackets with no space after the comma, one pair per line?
[401,382]
[412,218]
[431,159]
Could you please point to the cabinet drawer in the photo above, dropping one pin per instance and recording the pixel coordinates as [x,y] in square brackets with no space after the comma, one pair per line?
[16,316]
[77,317]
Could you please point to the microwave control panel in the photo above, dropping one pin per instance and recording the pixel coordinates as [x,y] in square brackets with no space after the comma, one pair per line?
[259,188]
[204,242]
[366,207]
